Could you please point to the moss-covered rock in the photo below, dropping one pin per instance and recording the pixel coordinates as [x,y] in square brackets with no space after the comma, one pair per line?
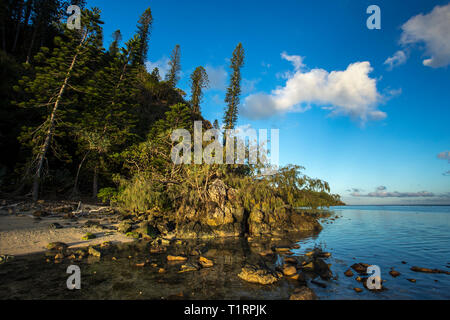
[94,252]
[88,236]
[134,235]
[125,227]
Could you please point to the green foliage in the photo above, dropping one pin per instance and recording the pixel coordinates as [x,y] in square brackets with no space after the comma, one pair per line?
[199,82]
[108,195]
[172,76]
[232,97]
[79,114]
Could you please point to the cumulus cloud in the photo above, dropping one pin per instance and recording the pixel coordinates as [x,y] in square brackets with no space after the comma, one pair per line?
[162,64]
[217,77]
[444,156]
[397,59]
[381,192]
[433,30]
[350,92]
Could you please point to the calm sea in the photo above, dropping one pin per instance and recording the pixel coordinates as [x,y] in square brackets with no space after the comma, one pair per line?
[386,236]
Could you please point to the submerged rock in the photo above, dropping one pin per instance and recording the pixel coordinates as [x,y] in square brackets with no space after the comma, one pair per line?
[176,258]
[205,263]
[289,270]
[426,270]
[360,268]
[188,267]
[394,273]
[255,274]
[303,293]
[349,273]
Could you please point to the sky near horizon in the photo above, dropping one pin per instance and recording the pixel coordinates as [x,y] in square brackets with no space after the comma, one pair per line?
[365,110]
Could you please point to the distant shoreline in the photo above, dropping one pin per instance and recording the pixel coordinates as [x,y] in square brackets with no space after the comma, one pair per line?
[396,205]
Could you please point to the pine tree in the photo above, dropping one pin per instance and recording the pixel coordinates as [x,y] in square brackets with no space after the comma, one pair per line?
[144,30]
[155,75]
[114,47]
[234,89]
[199,81]
[69,62]
[172,76]
[108,121]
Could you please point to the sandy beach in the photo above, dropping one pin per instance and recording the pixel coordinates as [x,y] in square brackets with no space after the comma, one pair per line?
[23,233]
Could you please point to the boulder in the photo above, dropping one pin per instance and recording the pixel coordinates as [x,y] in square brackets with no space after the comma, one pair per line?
[125,227]
[255,274]
[176,258]
[205,262]
[147,230]
[303,293]
[57,246]
[289,270]
[188,267]
[94,252]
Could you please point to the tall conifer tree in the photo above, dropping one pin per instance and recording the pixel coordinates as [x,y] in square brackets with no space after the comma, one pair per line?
[199,81]
[234,89]
[172,76]
[58,73]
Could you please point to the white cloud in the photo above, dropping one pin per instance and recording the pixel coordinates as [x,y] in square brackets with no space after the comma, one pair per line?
[162,64]
[382,193]
[217,77]
[397,59]
[296,61]
[433,29]
[350,92]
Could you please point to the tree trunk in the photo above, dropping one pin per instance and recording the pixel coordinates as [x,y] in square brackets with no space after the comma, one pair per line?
[51,129]
[16,37]
[33,39]
[75,185]
[95,184]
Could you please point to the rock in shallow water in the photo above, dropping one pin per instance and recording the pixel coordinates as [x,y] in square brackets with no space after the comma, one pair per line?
[303,293]
[348,273]
[255,274]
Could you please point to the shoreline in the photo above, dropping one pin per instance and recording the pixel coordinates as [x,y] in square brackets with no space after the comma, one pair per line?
[24,232]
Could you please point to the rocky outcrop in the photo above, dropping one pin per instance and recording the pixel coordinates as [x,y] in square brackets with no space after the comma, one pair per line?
[280,221]
[223,216]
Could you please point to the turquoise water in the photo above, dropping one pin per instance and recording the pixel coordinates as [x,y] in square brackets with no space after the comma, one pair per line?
[386,236]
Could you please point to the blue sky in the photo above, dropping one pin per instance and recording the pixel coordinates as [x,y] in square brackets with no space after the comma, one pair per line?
[376,129]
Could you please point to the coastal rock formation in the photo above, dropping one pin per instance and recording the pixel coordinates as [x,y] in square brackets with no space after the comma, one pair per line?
[223,216]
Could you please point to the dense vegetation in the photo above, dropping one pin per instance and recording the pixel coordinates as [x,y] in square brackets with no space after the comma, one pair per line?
[79,119]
